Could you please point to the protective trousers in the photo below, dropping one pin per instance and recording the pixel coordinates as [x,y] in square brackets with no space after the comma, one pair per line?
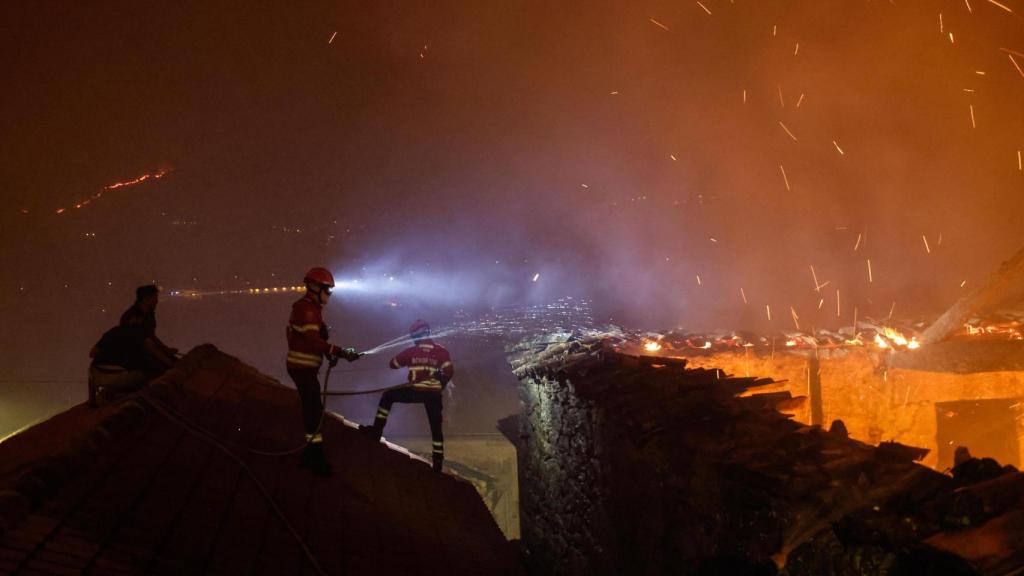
[308,385]
[432,401]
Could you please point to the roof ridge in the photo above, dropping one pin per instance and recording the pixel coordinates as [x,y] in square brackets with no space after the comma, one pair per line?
[44,477]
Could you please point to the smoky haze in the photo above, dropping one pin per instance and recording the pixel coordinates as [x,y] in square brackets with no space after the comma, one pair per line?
[619,150]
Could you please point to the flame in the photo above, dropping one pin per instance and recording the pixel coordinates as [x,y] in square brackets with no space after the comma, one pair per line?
[652,346]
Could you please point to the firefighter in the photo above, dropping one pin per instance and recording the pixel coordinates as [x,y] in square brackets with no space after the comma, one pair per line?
[430,370]
[307,347]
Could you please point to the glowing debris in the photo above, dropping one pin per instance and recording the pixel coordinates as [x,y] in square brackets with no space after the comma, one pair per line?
[744,95]
[800,99]
[857,245]
[964,283]
[973,125]
[704,7]
[926,247]
[871,278]
[673,157]
[782,102]
[1015,65]
[768,309]
[332,37]
[838,308]
[652,346]
[1020,166]
[797,49]
[743,295]
[941,30]
[660,25]
[787,131]
[836,144]
[969,10]
[784,178]
[1003,6]
[698,280]
[536,277]
[951,41]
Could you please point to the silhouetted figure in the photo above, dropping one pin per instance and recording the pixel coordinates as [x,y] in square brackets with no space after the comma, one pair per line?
[130,354]
[838,428]
[430,369]
[969,470]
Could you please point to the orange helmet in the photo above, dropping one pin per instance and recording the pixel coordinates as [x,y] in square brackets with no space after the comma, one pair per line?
[320,276]
[419,329]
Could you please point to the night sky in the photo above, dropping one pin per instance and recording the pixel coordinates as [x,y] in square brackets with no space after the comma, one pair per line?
[620,150]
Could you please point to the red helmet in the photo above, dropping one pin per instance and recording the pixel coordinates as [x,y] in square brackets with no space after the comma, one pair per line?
[320,276]
[419,329]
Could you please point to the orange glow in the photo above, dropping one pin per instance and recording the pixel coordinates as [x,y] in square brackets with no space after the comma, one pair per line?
[652,346]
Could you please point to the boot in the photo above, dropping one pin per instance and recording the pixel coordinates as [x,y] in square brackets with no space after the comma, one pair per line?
[373,432]
[438,463]
[313,459]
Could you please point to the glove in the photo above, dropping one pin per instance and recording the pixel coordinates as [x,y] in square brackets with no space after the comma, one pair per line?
[350,354]
[332,360]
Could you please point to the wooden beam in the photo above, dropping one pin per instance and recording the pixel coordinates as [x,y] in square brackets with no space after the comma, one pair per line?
[1005,283]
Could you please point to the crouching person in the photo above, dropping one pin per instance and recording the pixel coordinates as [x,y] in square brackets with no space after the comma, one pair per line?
[130,354]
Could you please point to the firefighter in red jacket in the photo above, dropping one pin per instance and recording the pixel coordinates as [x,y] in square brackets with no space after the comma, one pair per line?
[307,346]
[430,369]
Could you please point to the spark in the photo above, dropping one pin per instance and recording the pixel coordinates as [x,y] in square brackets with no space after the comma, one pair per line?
[941,29]
[979,72]
[834,143]
[964,283]
[1020,166]
[838,308]
[775,29]
[951,41]
[652,346]
[673,157]
[704,7]
[744,95]
[821,302]
[969,11]
[800,99]
[660,25]
[698,280]
[781,101]
[536,277]
[768,309]
[797,49]
[584,186]
[814,276]
[1015,65]
[871,278]
[1000,5]
[787,131]
[891,310]
[796,319]
[743,295]
[926,247]
[854,321]
[857,245]
[973,125]
[784,178]
[332,37]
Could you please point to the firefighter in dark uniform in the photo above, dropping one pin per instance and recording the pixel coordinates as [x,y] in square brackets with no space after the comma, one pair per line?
[307,347]
[430,370]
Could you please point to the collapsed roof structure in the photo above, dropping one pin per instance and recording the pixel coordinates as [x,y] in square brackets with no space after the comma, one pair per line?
[632,463]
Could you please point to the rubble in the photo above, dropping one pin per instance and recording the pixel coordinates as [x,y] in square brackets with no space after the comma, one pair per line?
[639,464]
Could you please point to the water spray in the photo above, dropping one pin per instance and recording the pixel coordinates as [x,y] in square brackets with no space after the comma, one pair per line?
[405,340]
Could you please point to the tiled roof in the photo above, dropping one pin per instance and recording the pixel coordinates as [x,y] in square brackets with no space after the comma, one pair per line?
[129,489]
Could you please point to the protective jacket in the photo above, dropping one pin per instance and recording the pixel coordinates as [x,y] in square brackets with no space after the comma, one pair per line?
[430,366]
[307,335]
